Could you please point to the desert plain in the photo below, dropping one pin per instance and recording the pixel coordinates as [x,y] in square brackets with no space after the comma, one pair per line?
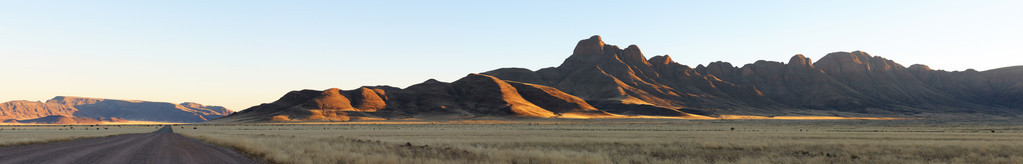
[588,141]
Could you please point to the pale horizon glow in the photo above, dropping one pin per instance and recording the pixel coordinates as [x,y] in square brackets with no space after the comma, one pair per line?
[239,55]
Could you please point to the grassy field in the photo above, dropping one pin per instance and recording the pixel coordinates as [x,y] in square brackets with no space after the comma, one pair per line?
[13,135]
[624,141]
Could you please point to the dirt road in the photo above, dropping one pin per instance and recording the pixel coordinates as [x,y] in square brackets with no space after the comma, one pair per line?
[162,146]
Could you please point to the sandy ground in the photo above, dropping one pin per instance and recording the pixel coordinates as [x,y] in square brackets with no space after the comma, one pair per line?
[161,146]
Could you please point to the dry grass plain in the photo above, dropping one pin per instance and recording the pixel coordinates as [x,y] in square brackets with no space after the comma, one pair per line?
[624,141]
[13,135]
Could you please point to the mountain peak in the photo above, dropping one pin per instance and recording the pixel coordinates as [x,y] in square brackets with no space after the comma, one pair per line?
[192,105]
[432,81]
[842,57]
[72,101]
[858,52]
[800,60]
[633,55]
[919,67]
[332,99]
[662,60]
[72,98]
[592,46]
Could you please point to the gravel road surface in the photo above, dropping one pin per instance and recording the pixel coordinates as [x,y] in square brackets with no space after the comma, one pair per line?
[161,146]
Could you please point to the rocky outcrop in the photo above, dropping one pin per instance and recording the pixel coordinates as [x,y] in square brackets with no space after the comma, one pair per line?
[111,110]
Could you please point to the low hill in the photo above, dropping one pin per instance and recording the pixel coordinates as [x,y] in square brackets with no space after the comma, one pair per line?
[67,107]
[472,96]
[57,119]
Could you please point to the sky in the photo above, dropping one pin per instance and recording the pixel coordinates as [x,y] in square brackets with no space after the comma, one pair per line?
[239,54]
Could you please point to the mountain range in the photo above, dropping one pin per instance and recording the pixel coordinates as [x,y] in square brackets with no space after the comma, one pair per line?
[602,80]
[82,110]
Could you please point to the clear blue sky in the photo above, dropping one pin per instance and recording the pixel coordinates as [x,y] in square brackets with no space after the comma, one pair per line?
[242,53]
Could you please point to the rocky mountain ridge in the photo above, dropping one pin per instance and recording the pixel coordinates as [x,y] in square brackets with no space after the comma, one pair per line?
[854,82]
[603,80]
